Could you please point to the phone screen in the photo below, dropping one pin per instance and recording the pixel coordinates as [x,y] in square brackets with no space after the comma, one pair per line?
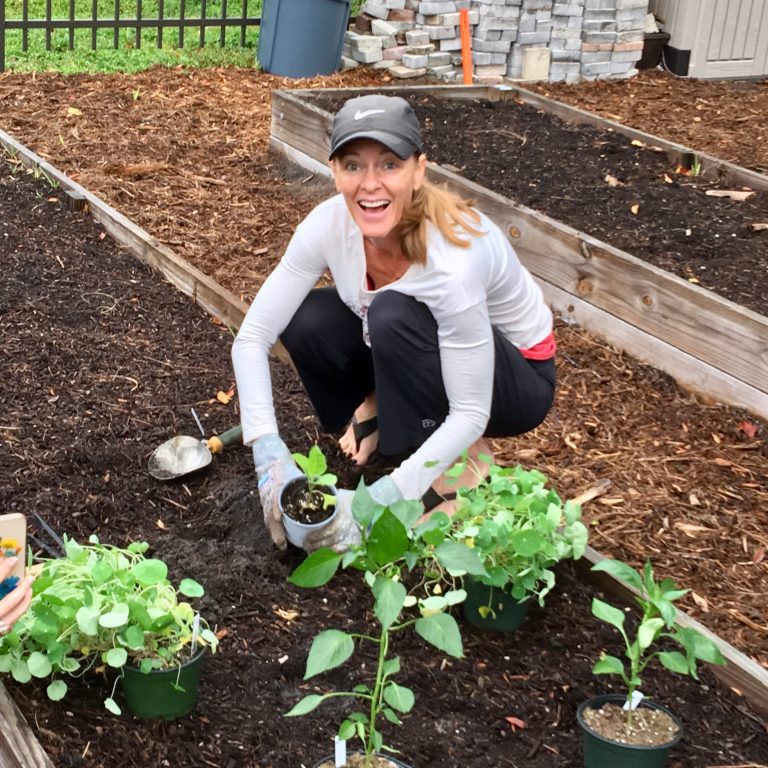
[13,536]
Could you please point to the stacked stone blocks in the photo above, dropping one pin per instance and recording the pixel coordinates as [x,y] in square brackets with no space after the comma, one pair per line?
[559,40]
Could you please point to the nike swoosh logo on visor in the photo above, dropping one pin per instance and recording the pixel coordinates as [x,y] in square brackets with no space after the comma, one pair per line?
[359,115]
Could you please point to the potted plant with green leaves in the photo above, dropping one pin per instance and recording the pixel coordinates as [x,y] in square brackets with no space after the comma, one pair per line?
[106,608]
[412,571]
[626,728]
[308,502]
[520,528]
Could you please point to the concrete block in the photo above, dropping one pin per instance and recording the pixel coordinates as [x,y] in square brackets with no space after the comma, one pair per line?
[403,73]
[347,63]
[439,71]
[439,59]
[376,9]
[383,28]
[442,33]
[383,64]
[535,64]
[452,44]
[597,68]
[622,5]
[533,38]
[434,8]
[487,46]
[395,5]
[417,37]
[490,69]
[567,9]
[415,61]
[367,57]
[404,15]
[394,54]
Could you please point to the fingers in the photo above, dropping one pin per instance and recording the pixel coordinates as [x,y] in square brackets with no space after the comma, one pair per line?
[16,602]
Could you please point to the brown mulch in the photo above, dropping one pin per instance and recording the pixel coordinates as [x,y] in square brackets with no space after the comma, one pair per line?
[102,363]
[182,153]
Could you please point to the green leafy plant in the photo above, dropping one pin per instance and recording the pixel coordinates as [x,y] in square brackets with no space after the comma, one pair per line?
[519,528]
[656,601]
[411,570]
[315,467]
[103,607]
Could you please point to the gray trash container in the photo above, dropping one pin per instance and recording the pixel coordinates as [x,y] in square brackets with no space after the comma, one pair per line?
[302,38]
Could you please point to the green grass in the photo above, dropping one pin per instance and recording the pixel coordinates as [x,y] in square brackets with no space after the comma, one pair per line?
[127,57]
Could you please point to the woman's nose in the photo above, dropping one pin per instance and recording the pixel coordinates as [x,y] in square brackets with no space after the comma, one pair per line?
[370,177]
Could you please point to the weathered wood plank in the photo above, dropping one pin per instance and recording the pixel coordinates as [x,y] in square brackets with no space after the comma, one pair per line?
[18,746]
[740,672]
[701,324]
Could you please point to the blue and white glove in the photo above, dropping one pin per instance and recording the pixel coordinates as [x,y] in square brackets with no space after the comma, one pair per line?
[275,468]
[343,531]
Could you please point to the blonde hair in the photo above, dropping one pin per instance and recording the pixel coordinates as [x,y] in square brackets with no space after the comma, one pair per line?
[446,210]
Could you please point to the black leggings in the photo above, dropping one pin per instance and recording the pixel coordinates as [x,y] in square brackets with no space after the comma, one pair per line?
[338,370]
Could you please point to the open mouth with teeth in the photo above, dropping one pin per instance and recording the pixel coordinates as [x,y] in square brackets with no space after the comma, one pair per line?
[373,206]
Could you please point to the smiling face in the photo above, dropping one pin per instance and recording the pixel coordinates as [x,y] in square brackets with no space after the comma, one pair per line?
[377,186]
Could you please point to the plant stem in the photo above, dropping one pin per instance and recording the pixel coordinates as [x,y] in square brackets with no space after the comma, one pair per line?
[378,690]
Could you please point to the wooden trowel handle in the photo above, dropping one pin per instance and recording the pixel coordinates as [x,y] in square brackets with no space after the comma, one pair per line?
[217,442]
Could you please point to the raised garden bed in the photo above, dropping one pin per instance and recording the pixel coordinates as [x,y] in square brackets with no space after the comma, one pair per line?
[124,360]
[709,344]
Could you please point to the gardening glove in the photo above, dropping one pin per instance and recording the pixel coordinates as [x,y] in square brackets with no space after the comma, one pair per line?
[343,532]
[275,469]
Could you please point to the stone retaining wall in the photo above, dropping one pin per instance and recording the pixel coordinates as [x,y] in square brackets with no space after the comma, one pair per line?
[568,41]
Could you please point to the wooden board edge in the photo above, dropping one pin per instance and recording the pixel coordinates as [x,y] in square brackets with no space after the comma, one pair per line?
[740,672]
[690,373]
[18,746]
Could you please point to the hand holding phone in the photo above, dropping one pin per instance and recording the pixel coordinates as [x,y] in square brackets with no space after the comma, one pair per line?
[13,543]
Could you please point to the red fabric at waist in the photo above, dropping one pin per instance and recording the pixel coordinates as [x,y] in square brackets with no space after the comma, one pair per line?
[543,350]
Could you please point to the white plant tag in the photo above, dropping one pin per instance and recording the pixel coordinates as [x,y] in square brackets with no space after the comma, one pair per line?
[195,630]
[634,702]
[340,751]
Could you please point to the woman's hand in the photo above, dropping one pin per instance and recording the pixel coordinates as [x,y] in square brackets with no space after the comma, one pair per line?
[16,602]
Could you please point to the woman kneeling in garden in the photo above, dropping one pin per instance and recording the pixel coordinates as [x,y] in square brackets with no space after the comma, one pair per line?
[433,337]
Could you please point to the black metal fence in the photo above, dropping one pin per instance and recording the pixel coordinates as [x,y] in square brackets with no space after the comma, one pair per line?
[197,24]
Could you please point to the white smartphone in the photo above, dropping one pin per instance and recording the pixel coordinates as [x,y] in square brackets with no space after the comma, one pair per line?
[13,540]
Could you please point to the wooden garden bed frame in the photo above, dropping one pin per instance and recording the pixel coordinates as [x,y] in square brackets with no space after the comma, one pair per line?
[19,747]
[709,344]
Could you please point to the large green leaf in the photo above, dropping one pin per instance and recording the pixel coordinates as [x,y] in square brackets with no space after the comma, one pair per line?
[317,569]
[442,631]
[56,690]
[390,596]
[398,697]
[621,571]
[388,540]
[527,543]
[117,617]
[307,704]
[674,661]
[608,613]
[191,588]
[648,631]
[39,665]
[608,665]
[88,621]
[458,559]
[150,572]
[329,650]
[116,657]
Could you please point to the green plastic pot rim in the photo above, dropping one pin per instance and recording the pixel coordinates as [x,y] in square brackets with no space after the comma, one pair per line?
[173,668]
[617,698]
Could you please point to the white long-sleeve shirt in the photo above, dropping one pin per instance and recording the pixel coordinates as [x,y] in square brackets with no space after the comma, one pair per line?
[467,290]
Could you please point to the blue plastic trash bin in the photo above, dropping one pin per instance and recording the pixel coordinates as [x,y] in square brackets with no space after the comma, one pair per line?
[302,38]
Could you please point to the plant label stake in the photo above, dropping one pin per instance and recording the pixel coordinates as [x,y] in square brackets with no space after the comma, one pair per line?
[634,701]
[339,751]
[195,630]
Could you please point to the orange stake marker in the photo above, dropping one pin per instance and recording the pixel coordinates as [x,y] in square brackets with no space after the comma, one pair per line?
[466,50]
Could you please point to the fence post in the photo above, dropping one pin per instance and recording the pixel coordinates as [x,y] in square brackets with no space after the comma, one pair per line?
[2,35]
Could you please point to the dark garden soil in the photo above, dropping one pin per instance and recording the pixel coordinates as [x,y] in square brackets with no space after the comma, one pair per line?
[600,183]
[104,362]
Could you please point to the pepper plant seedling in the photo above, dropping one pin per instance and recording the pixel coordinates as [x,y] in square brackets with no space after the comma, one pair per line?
[410,569]
[656,600]
[315,467]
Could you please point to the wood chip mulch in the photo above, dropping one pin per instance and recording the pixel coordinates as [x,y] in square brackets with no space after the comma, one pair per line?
[182,153]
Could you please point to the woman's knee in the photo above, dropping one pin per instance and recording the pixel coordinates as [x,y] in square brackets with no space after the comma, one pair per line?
[313,318]
[397,320]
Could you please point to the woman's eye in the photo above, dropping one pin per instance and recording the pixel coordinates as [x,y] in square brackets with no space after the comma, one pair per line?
[350,166]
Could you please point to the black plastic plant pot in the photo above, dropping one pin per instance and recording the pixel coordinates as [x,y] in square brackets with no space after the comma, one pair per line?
[507,612]
[295,530]
[390,762]
[153,695]
[600,752]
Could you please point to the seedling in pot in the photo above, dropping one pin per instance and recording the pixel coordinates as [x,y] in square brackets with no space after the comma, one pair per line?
[410,570]
[656,601]
[307,499]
